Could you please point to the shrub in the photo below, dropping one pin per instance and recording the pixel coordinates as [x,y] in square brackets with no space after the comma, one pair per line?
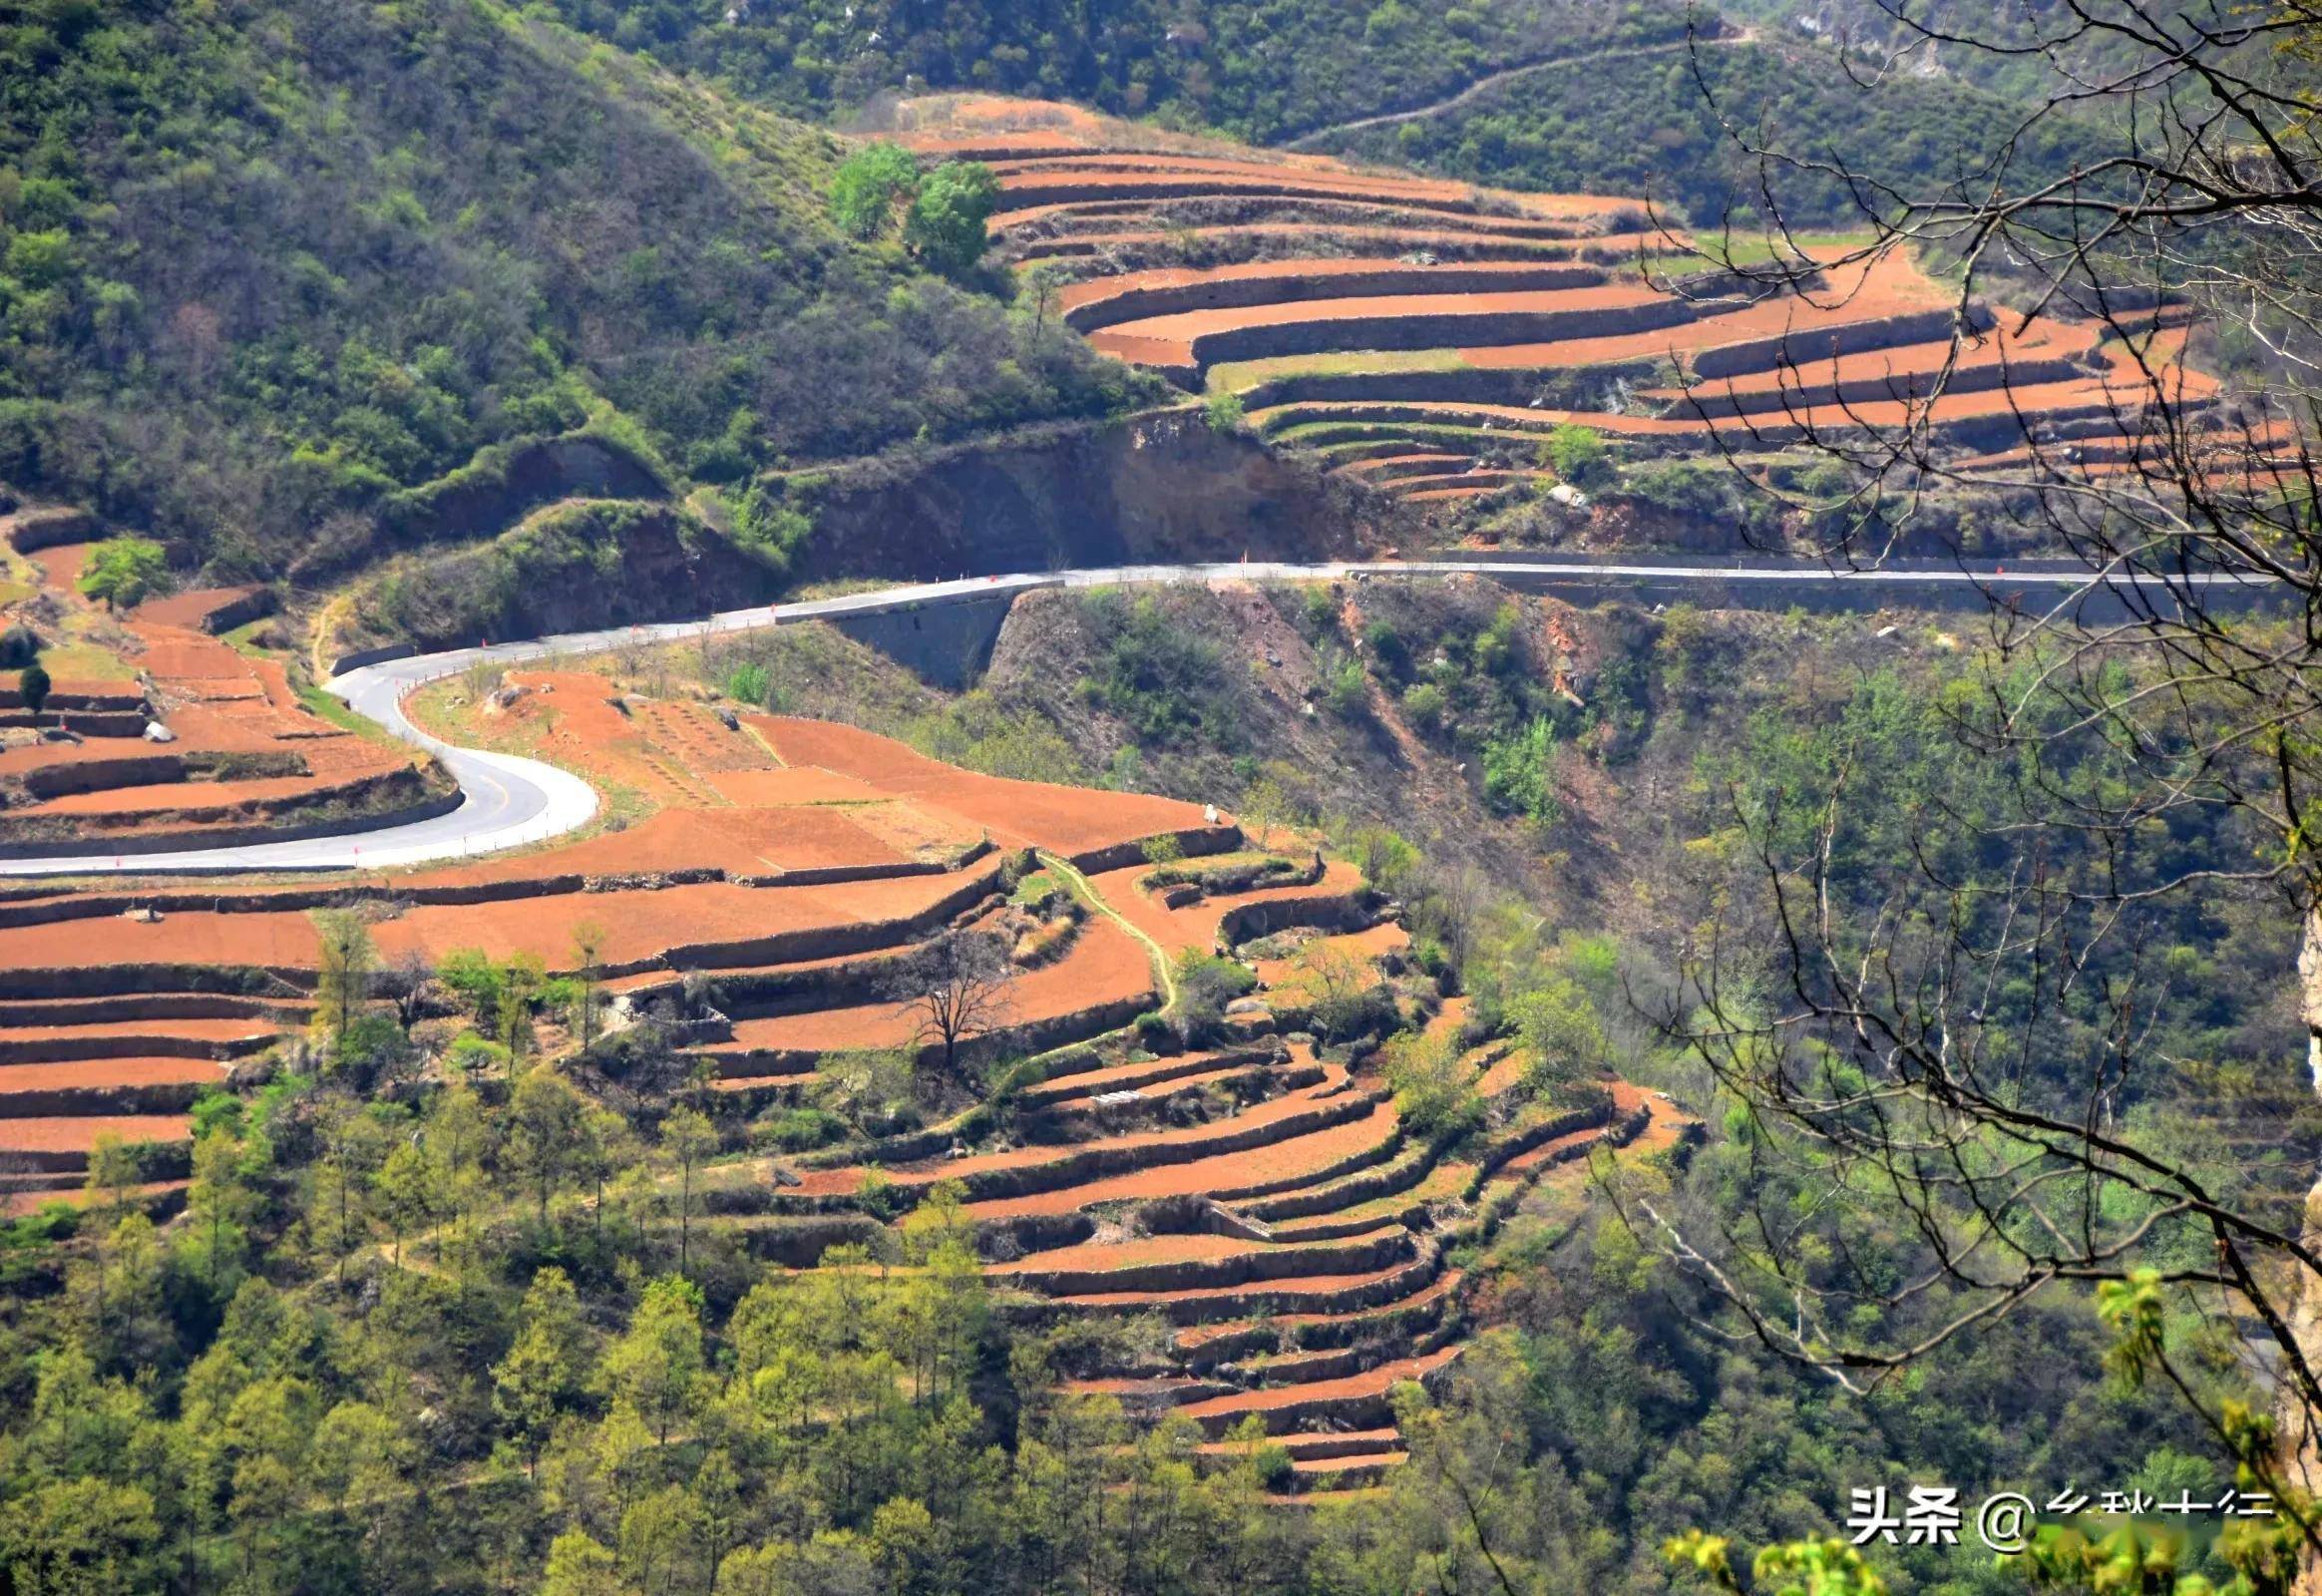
[1204,985]
[878,1197]
[1428,706]
[1165,848]
[798,1130]
[1428,953]
[1272,1464]
[1223,410]
[1580,457]
[1387,646]
[1155,1035]
[1346,690]
[33,685]
[1519,772]
[1040,889]
[471,1054]
[1688,488]
[19,648]
[748,683]
[1172,686]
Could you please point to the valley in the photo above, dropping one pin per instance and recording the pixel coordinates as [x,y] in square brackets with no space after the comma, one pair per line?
[867,800]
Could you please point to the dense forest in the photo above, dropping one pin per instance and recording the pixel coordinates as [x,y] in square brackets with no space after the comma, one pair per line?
[1260,70]
[1682,127]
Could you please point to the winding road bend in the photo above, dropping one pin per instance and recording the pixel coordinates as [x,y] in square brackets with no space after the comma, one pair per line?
[510,802]
[1508,74]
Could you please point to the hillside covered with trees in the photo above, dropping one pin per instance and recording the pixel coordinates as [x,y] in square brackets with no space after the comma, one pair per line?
[1259,71]
[266,263]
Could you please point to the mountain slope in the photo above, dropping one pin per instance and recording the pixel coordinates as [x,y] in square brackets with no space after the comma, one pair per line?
[1261,70]
[265,263]
[1680,123]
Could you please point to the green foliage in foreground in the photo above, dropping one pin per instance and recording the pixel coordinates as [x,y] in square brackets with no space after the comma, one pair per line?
[942,211]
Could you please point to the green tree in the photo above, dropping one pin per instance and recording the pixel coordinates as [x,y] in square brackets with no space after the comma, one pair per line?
[543,1370]
[358,1454]
[81,1537]
[1433,1092]
[114,1170]
[689,1139]
[347,958]
[475,980]
[123,570]
[868,186]
[657,1535]
[945,225]
[1266,806]
[338,1215]
[521,982]
[32,685]
[580,1567]
[588,970]
[1559,1027]
[546,1123]
[656,1365]
[403,1193]
[219,1204]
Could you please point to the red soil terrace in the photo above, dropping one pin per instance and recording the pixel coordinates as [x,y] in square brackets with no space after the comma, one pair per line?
[240,754]
[1469,373]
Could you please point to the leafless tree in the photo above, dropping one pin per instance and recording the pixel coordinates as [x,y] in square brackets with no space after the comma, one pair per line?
[1860,1026]
[957,987]
[405,982]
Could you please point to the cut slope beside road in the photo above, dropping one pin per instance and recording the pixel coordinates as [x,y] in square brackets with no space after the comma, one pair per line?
[512,802]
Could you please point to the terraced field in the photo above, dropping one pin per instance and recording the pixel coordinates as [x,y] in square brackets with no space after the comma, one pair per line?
[174,739]
[1260,1202]
[1252,1213]
[1427,336]
[120,1004]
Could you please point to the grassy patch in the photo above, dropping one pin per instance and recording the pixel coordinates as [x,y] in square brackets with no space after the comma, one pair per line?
[1749,249]
[86,661]
[1236,376]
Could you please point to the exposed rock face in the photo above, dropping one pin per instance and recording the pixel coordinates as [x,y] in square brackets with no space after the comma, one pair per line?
[483,498]
[1154,488]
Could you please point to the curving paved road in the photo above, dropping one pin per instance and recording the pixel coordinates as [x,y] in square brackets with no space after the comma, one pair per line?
[1505,74]
[511,801]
